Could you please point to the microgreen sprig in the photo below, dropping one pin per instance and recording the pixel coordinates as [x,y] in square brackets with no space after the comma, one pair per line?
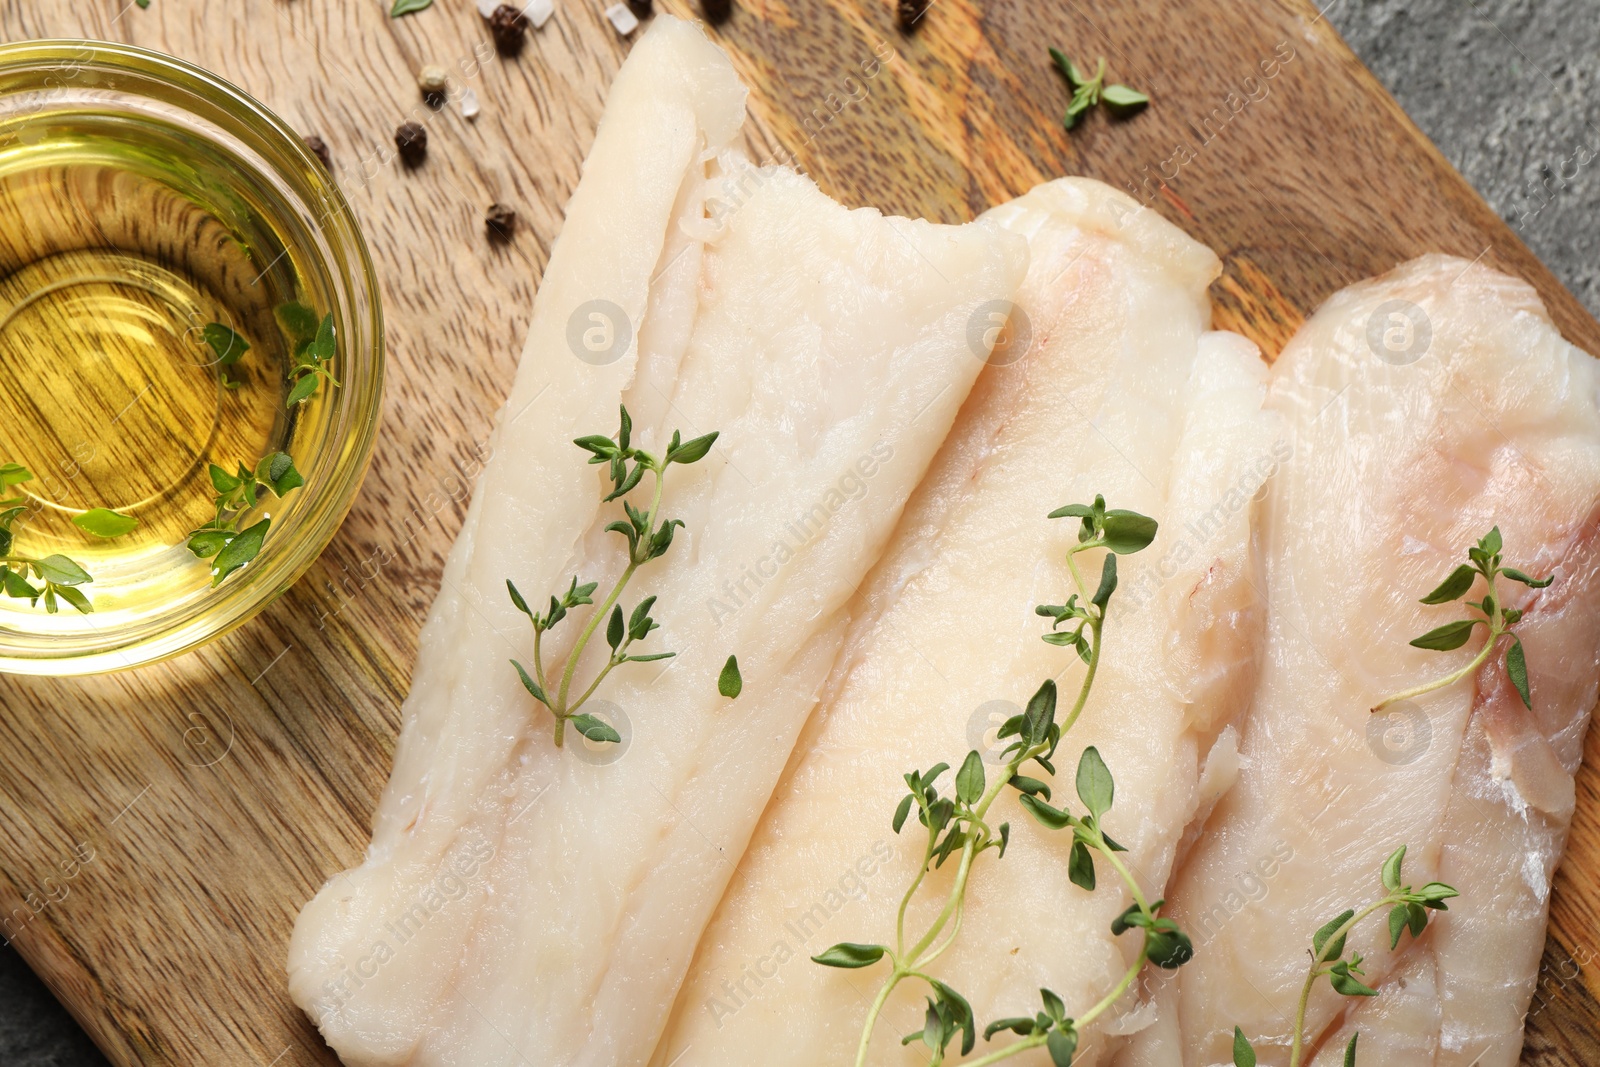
[236,494]
[958,824]
[1484,562]
[647,539]
[1119,99]
[312,347]
[60,575]
[1408,909]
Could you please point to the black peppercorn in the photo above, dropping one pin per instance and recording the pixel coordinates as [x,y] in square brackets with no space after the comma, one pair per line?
[508,25]
[910,13]
[412,141]
[319,148]
[500,221]
[716,11]
[640,8]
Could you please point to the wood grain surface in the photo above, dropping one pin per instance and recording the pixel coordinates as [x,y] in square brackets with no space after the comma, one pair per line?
[159,829]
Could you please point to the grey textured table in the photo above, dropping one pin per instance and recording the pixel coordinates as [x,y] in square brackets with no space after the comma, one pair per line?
[1505,87]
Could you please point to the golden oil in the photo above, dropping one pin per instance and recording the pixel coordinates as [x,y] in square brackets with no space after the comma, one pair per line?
[121,239]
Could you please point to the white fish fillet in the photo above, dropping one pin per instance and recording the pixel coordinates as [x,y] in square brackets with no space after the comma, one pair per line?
[1122,393]
[523,904]
[1400,463]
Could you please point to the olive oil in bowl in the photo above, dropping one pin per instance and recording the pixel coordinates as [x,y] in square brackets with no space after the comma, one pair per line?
[178,321]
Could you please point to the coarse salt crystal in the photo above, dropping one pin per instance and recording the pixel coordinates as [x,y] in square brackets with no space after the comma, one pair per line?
[538,12]
[622,19]
[469,104]
[486,7]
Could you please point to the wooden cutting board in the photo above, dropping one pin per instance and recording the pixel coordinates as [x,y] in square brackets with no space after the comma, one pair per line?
[160,829]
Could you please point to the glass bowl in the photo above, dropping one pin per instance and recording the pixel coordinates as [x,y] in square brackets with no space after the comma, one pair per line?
[173,261]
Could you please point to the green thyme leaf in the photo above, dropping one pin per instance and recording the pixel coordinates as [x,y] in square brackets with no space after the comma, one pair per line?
[59,570]
[849,955]
[1030,786]
[1127,532]
[1391,869]
[13,474]
[103,522]
[226,343]
[1021,1024]
[74,597]
[1080,866]
[595,729]
[1454,587]
[1047,816]
[222,481]
[240,550]
[530,685]
[1518,576]
[1169,947]
[1347,984]
[1095,786]
[1108,582]
[1123,101]
[902,811]
[1517,671]
[1350,1051]
[616,628]
[1243,1054]
[207,543]
[1074,76]
[970,779]
[299,324]
[1320,938]
[730,683]
[304,389]
[1434,894]
[276,470]
[323,346]
[692,451]
[1451,635]
[1062,1044]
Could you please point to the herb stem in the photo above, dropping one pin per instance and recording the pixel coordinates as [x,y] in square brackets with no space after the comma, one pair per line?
[561,709]
[1316,972]
[876,1010]
[1495,630]
[1095,625]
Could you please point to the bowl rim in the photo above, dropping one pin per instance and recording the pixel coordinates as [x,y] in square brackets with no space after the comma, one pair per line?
[323,516]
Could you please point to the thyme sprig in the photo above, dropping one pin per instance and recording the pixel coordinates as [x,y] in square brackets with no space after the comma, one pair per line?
[237,494]
[1119,99]
[228,346]
[1408,910]
[958,825]
[1484,561]
[312,346]
[648,538]
[60,575]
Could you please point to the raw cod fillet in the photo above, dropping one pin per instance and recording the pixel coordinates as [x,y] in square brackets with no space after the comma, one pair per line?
[523,904]
[1409,444]
[1125,393]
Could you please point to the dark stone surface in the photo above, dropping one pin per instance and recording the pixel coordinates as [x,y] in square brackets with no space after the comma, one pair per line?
[1506,88]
